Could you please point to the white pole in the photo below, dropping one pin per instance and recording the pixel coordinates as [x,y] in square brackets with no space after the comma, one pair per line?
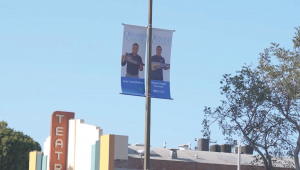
[239,156]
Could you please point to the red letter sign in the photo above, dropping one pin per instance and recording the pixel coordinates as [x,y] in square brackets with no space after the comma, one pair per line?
[59,139]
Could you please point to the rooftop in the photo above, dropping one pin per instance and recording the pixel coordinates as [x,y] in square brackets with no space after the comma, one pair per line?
[189,156]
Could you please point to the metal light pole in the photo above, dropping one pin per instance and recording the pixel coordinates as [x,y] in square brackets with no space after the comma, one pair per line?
[239,156]
[148,93]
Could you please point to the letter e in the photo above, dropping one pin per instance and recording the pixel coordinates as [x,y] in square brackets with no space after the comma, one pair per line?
[59,130]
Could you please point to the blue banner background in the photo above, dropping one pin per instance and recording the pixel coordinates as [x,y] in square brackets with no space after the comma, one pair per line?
[133,86]
[160,89]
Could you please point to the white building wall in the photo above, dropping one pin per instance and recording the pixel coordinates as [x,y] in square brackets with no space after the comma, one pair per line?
[72,144]
[47,150]
[81,138]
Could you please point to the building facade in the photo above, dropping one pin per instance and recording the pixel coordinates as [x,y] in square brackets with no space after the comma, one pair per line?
[74,145]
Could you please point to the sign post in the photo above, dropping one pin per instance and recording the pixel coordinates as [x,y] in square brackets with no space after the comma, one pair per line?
[157,68]
[148,93]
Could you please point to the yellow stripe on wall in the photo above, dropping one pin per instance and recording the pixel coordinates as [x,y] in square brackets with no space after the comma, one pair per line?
[107,151]
[32,160]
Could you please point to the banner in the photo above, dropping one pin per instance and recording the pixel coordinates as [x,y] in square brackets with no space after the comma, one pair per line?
[160,63]
[133,60]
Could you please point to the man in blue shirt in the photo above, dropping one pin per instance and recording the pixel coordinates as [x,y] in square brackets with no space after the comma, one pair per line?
[157,74]
[134,67]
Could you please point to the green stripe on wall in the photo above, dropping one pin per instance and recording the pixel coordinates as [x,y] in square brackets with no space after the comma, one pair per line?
[44,163]
[95,161]
[93,158]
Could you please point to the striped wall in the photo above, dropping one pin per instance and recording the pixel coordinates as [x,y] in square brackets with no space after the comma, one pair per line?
[112,147]
[35,160]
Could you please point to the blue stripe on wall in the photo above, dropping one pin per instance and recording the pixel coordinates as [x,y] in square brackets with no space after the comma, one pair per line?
[39,158]
[97,155]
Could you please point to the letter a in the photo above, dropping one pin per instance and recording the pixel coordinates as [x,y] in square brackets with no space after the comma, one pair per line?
[58,142]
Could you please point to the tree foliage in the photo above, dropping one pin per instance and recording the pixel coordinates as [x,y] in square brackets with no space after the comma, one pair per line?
[262,105]
[283,78]
[248,112]
[15,148]
[205,131]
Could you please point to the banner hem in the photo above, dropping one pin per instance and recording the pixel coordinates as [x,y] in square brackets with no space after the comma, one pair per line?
[145,96]
[133,25]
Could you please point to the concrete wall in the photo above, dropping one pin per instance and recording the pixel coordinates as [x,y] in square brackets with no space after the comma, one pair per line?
[121,147]
[125,169]
[136,164]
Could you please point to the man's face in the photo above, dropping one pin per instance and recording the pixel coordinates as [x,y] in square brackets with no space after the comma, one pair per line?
[158,51]
[135,49]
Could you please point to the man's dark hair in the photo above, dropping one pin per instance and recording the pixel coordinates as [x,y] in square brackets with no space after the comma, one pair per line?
[159,47]
[135,44]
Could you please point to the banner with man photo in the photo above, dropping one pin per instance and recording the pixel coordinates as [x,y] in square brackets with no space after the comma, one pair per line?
[133,60]
[160,63]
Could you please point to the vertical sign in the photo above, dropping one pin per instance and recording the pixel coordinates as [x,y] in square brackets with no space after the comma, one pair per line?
[59,139]
[133,60]
[160,63]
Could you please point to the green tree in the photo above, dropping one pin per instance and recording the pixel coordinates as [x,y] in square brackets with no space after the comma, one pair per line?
[248,113]
[283,79]
[15,148]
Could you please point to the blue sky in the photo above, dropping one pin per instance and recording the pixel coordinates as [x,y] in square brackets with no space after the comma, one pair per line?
[65,55]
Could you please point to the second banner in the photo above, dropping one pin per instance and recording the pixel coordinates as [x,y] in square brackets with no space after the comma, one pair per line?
[161,63]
